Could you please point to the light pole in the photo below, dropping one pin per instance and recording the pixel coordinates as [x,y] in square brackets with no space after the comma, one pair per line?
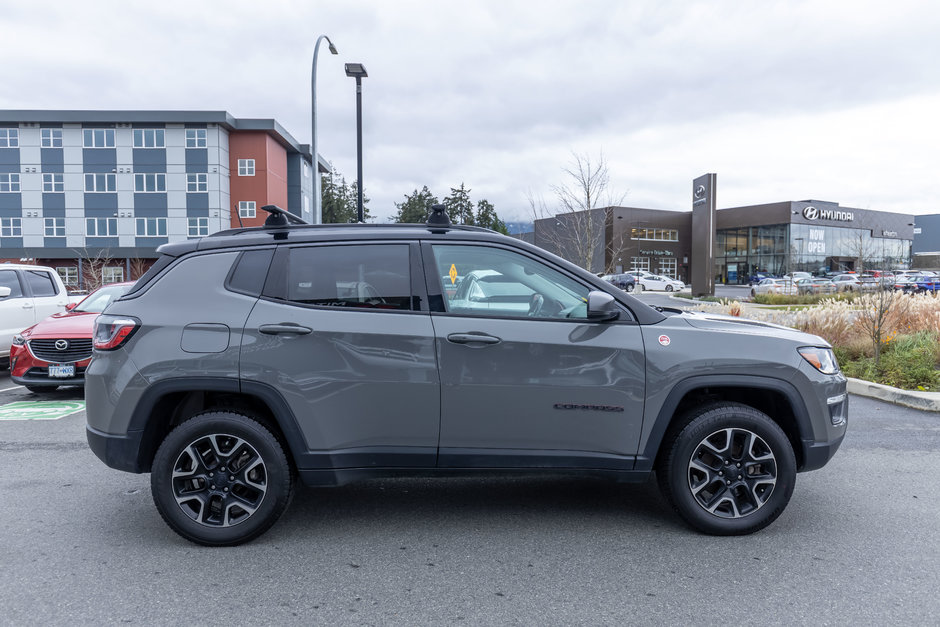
[317,204]
[358,71]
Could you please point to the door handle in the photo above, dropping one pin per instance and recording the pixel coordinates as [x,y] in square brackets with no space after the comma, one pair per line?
[284,329]
[27,305]
[472,338]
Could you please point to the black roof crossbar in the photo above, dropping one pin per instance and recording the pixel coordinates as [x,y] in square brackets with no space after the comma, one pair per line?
[280,217]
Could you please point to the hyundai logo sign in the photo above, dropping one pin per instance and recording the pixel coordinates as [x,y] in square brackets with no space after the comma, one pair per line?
[812,213]
[61,345]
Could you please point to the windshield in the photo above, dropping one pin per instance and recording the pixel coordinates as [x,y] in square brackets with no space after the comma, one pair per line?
[99,299]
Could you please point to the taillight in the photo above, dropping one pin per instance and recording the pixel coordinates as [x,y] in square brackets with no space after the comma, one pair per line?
[112,331]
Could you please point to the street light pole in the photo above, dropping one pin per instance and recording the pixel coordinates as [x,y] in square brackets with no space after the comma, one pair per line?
[317,204]
[358,71]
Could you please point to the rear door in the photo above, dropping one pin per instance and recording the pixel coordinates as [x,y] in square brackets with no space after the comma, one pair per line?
[48,295]
[538,386]
[343,339]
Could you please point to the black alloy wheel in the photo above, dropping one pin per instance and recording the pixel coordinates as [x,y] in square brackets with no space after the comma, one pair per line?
[729,471]
[221,479]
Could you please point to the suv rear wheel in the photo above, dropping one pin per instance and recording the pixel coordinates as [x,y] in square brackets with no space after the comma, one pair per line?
[221,479]
[729,471]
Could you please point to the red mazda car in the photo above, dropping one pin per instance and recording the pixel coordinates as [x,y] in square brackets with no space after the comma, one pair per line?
[56,350]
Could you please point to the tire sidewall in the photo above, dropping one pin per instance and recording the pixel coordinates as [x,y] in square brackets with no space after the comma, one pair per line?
[689,438]
[279,478]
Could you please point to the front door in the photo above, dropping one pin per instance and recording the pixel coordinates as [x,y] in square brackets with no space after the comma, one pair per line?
[526,379]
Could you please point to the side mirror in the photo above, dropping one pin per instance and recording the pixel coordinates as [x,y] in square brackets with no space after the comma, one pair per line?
[4,291]
[601,307]
[70,306]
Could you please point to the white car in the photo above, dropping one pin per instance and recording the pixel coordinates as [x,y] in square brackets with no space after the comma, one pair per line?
[27,295]
[774,286]
[659,283]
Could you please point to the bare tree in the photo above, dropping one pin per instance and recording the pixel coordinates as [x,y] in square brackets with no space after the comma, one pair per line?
[138,268]
[862,248]
[92,268]
[574,225]
[877,315]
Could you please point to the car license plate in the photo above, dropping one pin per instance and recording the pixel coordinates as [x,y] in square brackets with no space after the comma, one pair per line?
[61,371]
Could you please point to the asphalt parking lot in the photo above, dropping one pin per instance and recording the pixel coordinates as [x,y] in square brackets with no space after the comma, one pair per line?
[858,543]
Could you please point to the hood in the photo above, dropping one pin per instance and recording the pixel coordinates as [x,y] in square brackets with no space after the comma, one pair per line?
[733,324]
[65,324]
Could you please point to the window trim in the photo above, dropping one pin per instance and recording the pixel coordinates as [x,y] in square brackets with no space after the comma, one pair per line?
[50,138]
[11,137]
[201,186]
[108,140]
[13,225]
[146,223]
[253,207]
[108,178]
[55,184]
[249,167]
[159,180]
[189,226]
[108,222]
[55,227]
[13,182]
[198,142]
[157,134]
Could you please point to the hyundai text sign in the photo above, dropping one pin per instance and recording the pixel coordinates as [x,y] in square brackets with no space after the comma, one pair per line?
[812,213]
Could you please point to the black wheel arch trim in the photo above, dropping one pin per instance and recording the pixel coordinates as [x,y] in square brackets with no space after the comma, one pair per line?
[665,419]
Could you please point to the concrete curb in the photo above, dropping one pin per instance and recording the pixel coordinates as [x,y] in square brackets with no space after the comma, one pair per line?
[929,401]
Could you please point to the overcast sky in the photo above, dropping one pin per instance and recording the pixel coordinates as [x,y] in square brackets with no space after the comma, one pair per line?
[818,100]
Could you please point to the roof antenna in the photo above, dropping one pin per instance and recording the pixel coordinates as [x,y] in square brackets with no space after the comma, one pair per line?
[438,218]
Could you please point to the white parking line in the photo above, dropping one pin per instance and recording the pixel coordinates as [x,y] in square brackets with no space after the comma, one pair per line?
[15,387]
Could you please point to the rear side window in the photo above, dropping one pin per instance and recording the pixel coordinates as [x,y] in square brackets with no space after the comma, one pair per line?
[41,283]
[375,276]
[8,279]
[250,271]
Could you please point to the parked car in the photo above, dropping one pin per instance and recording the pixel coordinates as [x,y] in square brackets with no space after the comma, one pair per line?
[624,281]
[56,350]
[27,294]
[847,283]
[815,285]
[244,361]
[922,283]
[774,286]
[659,283]
[757,277]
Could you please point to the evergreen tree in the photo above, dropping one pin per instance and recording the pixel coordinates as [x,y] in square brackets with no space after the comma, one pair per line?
[459,206]
[487,218]
[414,209]
[339,200]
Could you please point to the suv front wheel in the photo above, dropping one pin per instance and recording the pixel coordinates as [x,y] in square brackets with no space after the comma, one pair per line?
[729,471]
[221,479]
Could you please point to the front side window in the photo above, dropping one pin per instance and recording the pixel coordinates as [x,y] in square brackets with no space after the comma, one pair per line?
[197,183]
[9,137]
[246,208]
[146,183]
[246,167]
[481,280]
[375,276]
[51,137]
[195,138]
[198,227]
[53,182]
[8,279]
[102,182]
[55,227]
[9,182]
[101,227]
[151,227]
[98,138]
[11,227]
[149,138]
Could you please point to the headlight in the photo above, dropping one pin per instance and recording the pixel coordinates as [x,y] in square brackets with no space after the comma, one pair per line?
[822,359]
[18,340]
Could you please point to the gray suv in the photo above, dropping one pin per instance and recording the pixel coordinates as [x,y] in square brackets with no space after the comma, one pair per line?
[249,359]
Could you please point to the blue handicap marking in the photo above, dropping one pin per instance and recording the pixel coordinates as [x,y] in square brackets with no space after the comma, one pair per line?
[40,410]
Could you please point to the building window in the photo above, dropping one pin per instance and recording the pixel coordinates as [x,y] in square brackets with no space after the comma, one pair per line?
[246,167]
[246,209]
[9,182]
[101,227]
[149,138]
[51,137]
[98,138]
[195,138]
[667,267]
[151,227]
[55,227]
[100,183]
[306,169]
[197,182]
[53,182]
[9,137]
[150,183]
[198,227]
[638,264]
[112,274]
[11,227]
[306,204]
[69,275]
[655,235]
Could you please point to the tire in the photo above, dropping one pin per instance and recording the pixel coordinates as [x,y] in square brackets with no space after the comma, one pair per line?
[41,389]
[629,288]
[692,471]
[753,292]
[224,508]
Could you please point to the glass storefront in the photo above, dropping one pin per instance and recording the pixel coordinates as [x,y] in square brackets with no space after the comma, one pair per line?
[781,248]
